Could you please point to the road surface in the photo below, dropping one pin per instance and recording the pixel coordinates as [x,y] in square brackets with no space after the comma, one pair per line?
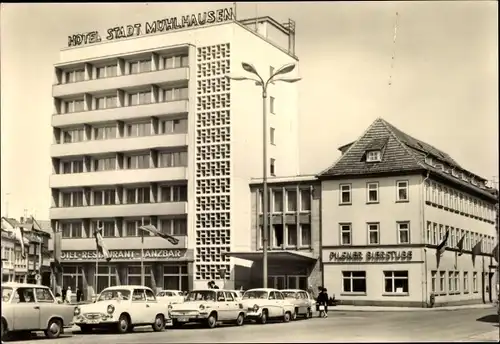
[340,326]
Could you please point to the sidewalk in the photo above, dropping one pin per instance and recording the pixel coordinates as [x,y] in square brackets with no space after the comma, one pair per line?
[346,308]
[492,336]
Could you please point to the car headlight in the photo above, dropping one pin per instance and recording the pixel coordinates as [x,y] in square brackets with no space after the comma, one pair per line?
[202,308]
[255,308]
[77,311]
[111,309]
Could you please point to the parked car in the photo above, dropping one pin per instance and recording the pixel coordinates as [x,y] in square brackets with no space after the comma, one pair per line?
[237,294]
[302,301]
[209,307]
[122,308]
[263,304]
[31,307]
[170,296]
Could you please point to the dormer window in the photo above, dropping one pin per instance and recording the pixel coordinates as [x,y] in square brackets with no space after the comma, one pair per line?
[373,156]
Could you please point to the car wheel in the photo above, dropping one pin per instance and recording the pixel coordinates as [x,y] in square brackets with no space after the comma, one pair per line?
[286,317]
[212,321]
[4,330]
[85,329]
[123,324]
[263,318]
[54,329]
[240,319]
[159,324]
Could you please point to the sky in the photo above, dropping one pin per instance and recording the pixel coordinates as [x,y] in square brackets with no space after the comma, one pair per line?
[444,87]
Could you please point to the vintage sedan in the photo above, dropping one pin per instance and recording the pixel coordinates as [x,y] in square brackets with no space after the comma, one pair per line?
[302,301]
[263,304]
[170,296]
[122,308]
[31,307]
[209,307]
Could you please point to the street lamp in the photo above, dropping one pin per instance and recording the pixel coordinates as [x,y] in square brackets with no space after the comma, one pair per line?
[248,67]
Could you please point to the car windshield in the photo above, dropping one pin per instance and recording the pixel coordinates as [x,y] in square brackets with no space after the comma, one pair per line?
[289,294]
[255,294]
[6,293]
[114,294]
[201,295]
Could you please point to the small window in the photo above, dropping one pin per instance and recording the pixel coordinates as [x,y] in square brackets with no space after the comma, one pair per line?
[466,281]
[272,168]
[345,234]
[44,295]
[372,192]
[24,295]
[474,282]
[220,296]
[354,281]
[271,135]
[373,156]
[442,281]
[404,232]
[279,296]
[138,295]
[150,296]
[433,281]
[345,194]
[373,234]
[402,191]
[229,296]
[271,105]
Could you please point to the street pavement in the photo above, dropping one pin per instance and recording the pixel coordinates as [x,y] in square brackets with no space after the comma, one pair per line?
[470,325]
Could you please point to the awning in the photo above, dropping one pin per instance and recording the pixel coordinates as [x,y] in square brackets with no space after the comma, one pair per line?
[275,256]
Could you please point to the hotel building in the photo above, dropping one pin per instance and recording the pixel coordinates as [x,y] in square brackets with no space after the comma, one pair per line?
[149,129]
[386,205]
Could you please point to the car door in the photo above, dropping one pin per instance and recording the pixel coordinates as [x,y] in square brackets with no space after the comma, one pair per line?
[139,310]
[280,302]
[304,302]
[222,308]
[47,305]
[274,308]
[152,307]
[232,306]
[26,310]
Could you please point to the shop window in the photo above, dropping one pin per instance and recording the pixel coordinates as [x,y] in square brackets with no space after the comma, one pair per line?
[277,236]
[396,282]
[433,281]
[175,277]
[354,281]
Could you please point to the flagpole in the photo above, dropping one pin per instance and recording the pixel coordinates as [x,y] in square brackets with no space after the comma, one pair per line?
[142,255]
[40,262]
[96,261]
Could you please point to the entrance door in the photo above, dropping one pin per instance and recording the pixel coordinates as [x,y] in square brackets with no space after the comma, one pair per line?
[296,282]
[276,282]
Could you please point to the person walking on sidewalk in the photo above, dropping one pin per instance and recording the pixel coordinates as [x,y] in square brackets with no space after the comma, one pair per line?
[323,303]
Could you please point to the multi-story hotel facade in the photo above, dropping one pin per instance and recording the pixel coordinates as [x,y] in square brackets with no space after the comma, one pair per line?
[150,129]
[386,205]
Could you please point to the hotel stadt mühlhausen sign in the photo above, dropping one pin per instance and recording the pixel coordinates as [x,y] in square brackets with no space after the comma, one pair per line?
[124,254]
[357,256]
[155,26]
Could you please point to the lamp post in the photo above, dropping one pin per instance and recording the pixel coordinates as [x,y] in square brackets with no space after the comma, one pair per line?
[259,81]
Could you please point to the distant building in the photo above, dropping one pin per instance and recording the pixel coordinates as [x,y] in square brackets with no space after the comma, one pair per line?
[386,205]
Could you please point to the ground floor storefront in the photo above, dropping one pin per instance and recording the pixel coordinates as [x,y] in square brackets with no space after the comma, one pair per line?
[163,269]
[406,277]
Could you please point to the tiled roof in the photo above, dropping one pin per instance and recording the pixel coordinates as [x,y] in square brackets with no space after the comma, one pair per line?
[400,153]
[28,226]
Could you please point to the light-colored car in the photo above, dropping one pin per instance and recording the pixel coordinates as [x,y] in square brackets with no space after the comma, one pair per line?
[122,308]
[263,304]
[209,307]
[302,301]
[238,294]
[170,296]
[31,307]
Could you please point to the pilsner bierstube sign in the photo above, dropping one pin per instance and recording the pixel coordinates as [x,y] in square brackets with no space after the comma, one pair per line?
[155,26]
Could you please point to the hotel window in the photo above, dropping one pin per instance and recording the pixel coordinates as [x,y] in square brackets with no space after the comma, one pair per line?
[172,159]
[452,200]
[427,191]
[403,232]
[72,229]
[354,282]
[173,193]
[106,71]
[441,233]
[446,197]
[271,105]
[305,199]
[132,227]
[474,282]
[434,233]
[175,277]
[345,194]
[136,162]
[108,228]
[396,282]
[75,76]
[141,66]
[277,201]
[105,133]
[174,94]
[435,194]
[177,226]
[72,199]
[305,234]
[461,205]
[402,191]
[456,281]
[291,200]
[452,235]
[271,135]
[451,275]
[104,197]
[345,234]
[466,282]
[134,277]
[75,166]
[73,135]
[373,233]
[138,129]
[372,193]
[272,167]
[433,281]
[104,164]
[106,277]
[291,235]
[175,61]
[71,106]
[174,126]
[440,194]
[107,102]
[138,195]
[442,282]
[139,98]
[429,226]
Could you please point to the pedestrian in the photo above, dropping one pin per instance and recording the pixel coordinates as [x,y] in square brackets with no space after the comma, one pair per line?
[214,286]
[63,294]
[68,295]
[79,295]
[323,303]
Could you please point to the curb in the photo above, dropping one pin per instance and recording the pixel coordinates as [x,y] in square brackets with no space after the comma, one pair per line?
[406,309]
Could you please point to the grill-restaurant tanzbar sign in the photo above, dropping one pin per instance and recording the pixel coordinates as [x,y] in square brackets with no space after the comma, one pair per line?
[154,26]
[161,254]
